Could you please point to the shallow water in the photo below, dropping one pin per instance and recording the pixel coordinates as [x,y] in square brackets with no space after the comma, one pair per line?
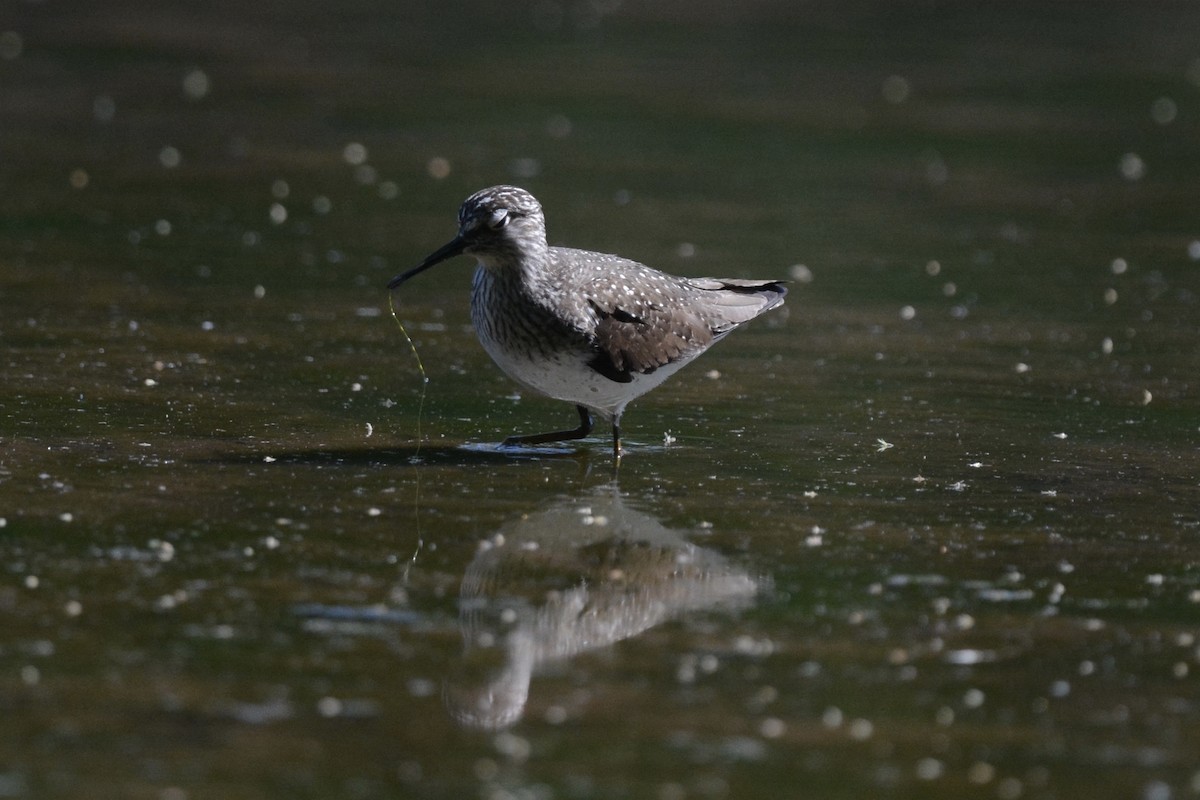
[930,530]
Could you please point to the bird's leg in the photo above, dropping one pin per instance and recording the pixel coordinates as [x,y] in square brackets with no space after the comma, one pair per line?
[585,427]
[616,441]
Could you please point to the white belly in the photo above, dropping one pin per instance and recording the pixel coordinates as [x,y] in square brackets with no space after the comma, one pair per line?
[566,376]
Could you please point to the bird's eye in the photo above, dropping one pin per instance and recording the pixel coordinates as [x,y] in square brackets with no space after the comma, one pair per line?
[498,219]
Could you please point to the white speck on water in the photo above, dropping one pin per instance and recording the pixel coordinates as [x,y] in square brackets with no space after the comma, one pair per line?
[772,728]
[969,656]
[929,769]
[1193,250]
[354,154]
[163,550]
[438,168]
[1106,345]
[66,516]
[800,273]
[278,213]
[1132,167]
[370,430]
[170,157]
[329,707]
[73,608]
[260,292]
[389,190]
[685,250]
[975,464]
[162,227]
[1110,296]
[832,717]
[861,729]
[1059,435]
[1021,368]
[907,313]
[196,85]
[150,382]
[882,444]
[957,486]
[374,512]
[668,439]
[1119,266]
[322,204]
[280,189]
[1155,579]
[208,325]
[973,698]
[712,374]
[78,178]
[1146,397]
[268,459]
[949,288]
[30,675]
[1163,110]
[31,581]
[932,268]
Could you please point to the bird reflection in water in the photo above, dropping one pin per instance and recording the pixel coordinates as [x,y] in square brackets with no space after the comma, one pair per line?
[581,574]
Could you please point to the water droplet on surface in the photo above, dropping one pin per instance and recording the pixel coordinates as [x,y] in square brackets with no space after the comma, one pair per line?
[196,85]
[438,168]
[1132,167]
[354,154]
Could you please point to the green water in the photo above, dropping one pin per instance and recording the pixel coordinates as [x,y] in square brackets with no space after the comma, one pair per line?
[930,530]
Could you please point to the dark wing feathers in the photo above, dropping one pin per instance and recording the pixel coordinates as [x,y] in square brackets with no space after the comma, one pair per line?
[693,314]
[644,339]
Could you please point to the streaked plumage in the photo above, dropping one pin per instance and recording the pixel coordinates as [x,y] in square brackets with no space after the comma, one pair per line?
[592,329]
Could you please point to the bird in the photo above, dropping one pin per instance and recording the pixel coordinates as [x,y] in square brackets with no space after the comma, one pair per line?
[592,329]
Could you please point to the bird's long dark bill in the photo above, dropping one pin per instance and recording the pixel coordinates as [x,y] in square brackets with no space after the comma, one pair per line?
[452,248]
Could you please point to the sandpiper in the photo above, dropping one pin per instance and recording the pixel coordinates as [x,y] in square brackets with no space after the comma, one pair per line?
[592,329]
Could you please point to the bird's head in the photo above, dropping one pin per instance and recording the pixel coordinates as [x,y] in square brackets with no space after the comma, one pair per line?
[499,226]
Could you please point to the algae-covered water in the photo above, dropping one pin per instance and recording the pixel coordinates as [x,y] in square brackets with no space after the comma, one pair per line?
[930,530]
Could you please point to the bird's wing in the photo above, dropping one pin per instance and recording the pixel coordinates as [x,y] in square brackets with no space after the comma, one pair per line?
[641,319]
[639,337]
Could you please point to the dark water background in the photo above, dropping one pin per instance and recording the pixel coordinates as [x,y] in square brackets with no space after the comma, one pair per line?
[932,530]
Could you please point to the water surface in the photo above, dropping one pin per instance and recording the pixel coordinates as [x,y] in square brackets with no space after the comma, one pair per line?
[931,530]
